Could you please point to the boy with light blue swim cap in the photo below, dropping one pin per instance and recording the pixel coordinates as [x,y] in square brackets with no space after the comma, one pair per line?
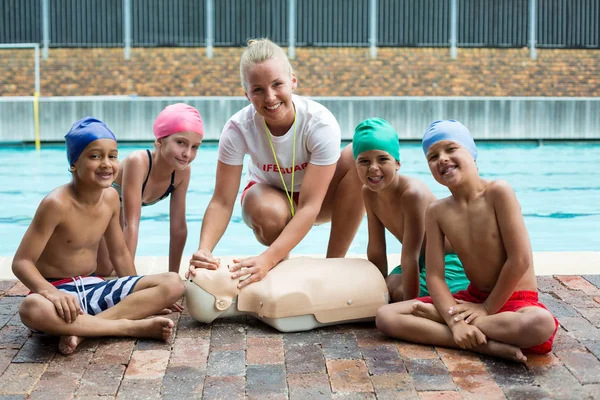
[449,130]
[397,203]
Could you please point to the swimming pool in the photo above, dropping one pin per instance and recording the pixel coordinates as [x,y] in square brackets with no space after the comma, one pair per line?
[557,184]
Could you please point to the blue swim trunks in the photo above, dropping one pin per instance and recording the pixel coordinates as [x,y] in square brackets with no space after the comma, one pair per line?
[455,274]
[96,294]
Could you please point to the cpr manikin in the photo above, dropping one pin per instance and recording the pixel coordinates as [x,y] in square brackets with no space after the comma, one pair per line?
[299,294]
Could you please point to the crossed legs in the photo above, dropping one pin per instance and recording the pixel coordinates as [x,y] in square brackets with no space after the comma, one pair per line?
[151,295]
[507,332]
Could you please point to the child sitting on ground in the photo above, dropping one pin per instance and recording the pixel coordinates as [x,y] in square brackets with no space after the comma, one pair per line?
[148,176]
[397,203]
[499,314]
[58,253]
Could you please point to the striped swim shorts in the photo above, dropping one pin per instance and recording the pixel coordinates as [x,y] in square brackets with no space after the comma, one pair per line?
[96,294]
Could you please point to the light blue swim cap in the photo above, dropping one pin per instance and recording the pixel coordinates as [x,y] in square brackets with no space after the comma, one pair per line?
[84,132]
[449,130]
[375,134]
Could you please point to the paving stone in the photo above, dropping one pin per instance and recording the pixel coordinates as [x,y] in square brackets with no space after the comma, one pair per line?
[575,282]
[394,386]
[302,338]
[441,395]
[559,383]
[580,328]
[257,328]
[226,363]
[429,374]
[15,320]
[592,391]
[593,346]
[136,389]
[383,360]
[508,374]
[266,382]
[597,300]
[39,348]
[593,279]
[20,378]
[10,305]
[584,366]
[353,396]
[5,285]
[147,364]
[13,337]
[369,336]
[48,395]
[228,337]
[564,341]
[547,284]
[183,382]
[57,384]
[525,393]
[187,327]
[264,350]
[576,298]
[190,352]
[415,351]
[470,374]
[308,386]
[547,360]
[6,356]
[18,289]
[592,315]
[114,351]
[349,376]
[557,307]
[224,387]
[101,380]
[4,319]
[307,358]
[13,396]
[336,346]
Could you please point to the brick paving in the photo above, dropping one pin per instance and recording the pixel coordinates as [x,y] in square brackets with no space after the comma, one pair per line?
[243,358]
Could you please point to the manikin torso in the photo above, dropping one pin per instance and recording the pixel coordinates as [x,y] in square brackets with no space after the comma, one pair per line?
[299,294]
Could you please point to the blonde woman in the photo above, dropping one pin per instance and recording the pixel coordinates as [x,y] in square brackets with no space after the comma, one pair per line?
[296,175]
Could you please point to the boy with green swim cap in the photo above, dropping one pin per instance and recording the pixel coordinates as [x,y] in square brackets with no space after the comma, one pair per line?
[397,203]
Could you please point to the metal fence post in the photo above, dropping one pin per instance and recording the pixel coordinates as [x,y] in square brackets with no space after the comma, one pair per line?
[127,29]
[373,28]
[45,28]
[292,29]
[532,29]
[210,28]
[453,29]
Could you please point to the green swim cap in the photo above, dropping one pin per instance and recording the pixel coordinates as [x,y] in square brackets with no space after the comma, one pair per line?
[375,134]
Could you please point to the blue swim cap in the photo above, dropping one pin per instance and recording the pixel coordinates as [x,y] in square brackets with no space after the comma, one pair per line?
[84,132]
[375,134]
[449,130]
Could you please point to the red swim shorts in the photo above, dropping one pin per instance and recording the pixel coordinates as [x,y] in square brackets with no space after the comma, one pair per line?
[517,301]
[296,195]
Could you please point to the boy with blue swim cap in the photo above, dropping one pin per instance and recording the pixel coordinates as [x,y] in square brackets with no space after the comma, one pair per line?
[397,203]
[57,257]
[499,313]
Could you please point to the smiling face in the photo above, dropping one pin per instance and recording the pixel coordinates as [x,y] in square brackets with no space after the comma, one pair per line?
[98,163]
[449,162]
[377,169]
[179,149]
[269,87]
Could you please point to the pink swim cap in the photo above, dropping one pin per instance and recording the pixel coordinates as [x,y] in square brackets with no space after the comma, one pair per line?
[177,118]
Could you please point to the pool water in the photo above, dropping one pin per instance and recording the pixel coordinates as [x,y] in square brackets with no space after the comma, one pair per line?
[556,183]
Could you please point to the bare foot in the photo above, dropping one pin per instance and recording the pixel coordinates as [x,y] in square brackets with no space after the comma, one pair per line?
[502,350]
[68,344]
[157,328]
[426,310]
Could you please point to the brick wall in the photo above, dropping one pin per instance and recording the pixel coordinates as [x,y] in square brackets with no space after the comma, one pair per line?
[320,72]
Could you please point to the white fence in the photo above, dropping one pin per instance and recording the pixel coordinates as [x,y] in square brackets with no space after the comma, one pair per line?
[492,118]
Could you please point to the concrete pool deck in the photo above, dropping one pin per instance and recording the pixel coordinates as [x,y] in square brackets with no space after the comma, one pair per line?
[244,358]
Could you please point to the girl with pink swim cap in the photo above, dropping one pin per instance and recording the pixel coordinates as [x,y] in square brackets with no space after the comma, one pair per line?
[148,176]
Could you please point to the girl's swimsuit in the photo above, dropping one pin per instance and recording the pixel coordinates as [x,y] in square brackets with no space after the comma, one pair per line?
[164,196]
